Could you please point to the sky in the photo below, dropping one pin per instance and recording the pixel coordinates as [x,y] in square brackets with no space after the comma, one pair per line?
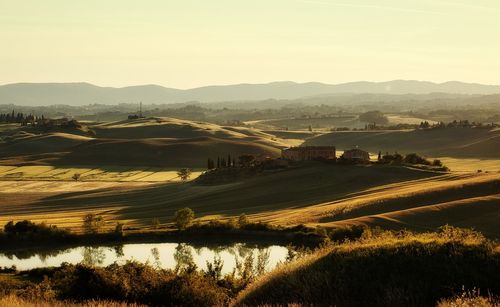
[191,43]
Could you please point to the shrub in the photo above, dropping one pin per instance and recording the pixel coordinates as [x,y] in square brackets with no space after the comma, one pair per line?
[29,230]
[136,282]
[183,218]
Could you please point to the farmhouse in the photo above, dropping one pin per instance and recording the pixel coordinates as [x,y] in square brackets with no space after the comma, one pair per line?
[356,154]
[309,153]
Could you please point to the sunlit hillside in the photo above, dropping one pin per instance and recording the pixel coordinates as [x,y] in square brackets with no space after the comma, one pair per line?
[161,142]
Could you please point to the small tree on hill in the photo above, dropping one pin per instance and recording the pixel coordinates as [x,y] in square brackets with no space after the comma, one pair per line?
[243,220]
[210,164]
[184,174]
[92,223]
[183,218]
[155,223]
[76,177]
[437,162]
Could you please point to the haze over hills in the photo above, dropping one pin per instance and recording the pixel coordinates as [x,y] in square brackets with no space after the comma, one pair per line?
[84,93]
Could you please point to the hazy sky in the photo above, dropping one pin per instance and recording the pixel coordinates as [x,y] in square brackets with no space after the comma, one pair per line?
[189,43]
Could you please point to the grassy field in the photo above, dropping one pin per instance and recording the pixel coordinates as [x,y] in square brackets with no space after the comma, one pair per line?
[383,270]
[453,142]
[153,142]
[327,195]
[128,174]
[112,174]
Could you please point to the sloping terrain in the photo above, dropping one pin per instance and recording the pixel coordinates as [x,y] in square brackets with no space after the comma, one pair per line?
[161,142]
[450,142]
[268,196]
[318,194]
[383,270]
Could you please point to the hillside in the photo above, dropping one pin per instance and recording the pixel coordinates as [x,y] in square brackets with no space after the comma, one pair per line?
[375,271]
[330,196]
[146,142]
[84,93]
[451,142]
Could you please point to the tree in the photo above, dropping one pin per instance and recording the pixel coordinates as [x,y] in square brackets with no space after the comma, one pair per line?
[183,218]
[413,158]
[243,220]
[375,117]
[210,164]
[184,174]
[246,160]
[92,223]
[155,222]
[379,156]
[76,177]
[437,162]
[119,229]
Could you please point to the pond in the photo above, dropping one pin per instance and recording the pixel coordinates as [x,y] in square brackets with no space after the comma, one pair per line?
[164,255]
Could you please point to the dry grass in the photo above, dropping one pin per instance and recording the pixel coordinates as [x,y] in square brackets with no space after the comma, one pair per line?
[382,269]
[156,142]
[392,197]
[14,301]
[455,143]
[469,301]
[88,174]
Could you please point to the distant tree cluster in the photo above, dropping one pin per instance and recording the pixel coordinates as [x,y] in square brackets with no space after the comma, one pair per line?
[222,162]
[374,118]
[411,158]
[456,124]
[19,118]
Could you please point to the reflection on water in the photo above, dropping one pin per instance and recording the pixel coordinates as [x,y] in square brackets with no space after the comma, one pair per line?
[178,256]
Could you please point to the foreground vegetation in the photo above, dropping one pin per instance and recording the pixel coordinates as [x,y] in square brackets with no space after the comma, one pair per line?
[380,268]
[384,269]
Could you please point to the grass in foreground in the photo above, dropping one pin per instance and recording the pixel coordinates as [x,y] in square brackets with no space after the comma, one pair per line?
[384,269]
[381,268]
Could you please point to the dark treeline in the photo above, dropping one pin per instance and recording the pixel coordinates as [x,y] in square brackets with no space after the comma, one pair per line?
[221,162]
[19,118]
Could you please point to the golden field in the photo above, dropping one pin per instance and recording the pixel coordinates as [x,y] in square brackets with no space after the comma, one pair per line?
[128,174]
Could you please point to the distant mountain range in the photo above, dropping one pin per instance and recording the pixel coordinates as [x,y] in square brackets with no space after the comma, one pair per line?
[77,94]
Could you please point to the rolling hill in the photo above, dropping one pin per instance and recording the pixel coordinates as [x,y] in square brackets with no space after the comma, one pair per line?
[161,142]
[375,271]
[457,142]
[317,194]
[84,93]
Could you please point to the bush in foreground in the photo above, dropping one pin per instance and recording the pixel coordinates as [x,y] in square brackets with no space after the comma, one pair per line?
[29,230]
[384,269]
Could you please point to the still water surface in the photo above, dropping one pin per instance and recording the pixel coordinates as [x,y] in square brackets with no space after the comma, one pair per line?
[164,255]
